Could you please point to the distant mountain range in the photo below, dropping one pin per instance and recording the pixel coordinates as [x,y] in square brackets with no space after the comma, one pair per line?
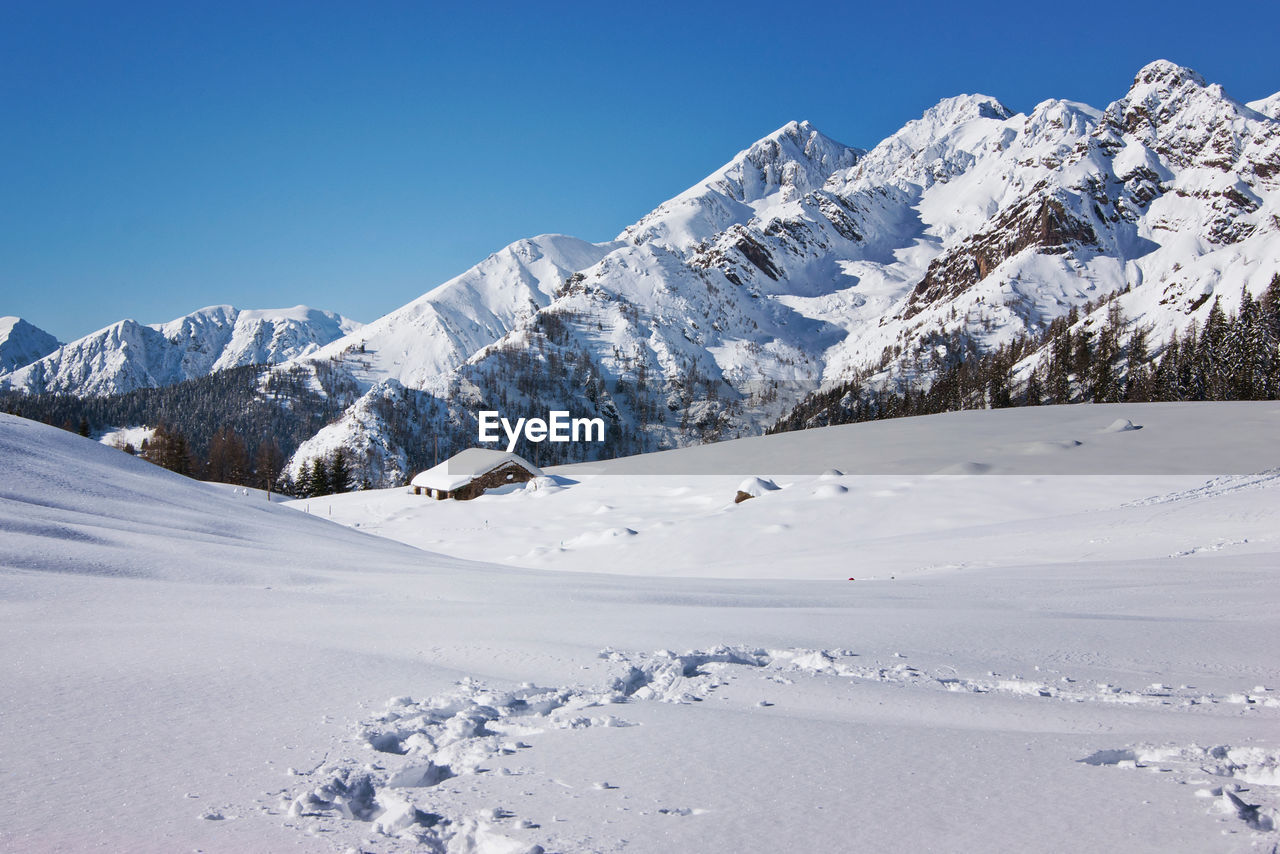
[129,355]
[799,264]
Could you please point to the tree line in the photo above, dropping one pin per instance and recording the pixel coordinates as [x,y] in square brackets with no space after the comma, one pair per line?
[253,400]
[327,475]
[235,426]
[228,460]
[1230,356]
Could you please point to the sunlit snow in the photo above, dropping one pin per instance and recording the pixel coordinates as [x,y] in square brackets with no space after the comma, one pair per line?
[909,662]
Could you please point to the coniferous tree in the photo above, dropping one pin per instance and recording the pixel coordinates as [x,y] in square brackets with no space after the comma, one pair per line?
[1190,367]
[1269,309]
[304,486]
[999,395]
[1139,377]
[1102,370]
[182,460]
[1059,378]
[339,472]
[1034,392]
[1269,340]
[1213,361]
[320,484]
[1241,350]
[1082,357]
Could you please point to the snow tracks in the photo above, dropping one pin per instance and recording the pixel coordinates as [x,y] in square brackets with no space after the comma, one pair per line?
[395,782]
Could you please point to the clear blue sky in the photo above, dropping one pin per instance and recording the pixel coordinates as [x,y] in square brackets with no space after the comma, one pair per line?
[159,157]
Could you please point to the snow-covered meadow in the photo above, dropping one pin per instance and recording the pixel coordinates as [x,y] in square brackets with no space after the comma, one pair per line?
[1062,636]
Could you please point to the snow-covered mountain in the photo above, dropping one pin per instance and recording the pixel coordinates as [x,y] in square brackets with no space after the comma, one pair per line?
[423,341]
[802,262]
[799,264]
[129,355]
[21,343]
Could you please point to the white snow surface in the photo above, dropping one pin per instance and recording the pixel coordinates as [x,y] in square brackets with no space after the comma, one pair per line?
[129,355]
[1061,662]
[1269,107]
[22,343]
[122,436]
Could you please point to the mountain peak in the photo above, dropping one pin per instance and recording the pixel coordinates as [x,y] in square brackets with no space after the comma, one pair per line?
[1165,75]
[1185,120]
[800,133]
[939,135]
[963,108]
[21,343]
[943,117]
[777,169]
[807,155]
[1162,88]
[794,129]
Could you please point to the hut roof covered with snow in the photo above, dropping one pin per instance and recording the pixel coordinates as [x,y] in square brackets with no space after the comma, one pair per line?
[469,473]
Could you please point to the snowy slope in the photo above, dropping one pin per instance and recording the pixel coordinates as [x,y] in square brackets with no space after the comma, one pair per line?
[1267,106]
[129,355]
[802,262]
[188,668]
[121,517]
[906,481]
[440,330]
[21,343]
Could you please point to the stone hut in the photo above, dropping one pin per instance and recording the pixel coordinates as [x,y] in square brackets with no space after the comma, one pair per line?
[469,473]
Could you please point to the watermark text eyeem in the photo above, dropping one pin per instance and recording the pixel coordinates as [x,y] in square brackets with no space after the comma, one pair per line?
[556,427]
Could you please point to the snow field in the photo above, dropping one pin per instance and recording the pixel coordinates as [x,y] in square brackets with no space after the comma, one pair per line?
[681,520]
[188,667]
[475,745]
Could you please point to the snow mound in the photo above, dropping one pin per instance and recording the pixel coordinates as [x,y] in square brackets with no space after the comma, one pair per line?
[1254,766]
[757,486]
[599,538]
[1121,425]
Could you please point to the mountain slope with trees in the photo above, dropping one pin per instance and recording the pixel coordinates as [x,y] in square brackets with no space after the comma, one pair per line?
[974,233]
[978,256]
